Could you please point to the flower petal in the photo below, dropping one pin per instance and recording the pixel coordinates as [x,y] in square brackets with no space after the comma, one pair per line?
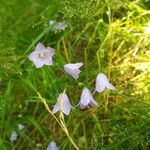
[93,103]
[74,66]
[63,25]
[66,109]
[56,108]
[51,51]
[82,106]
[85,97]
[78,65]
[63,104]
[100,85]
[66,106]
[74,73]
[39,47]
[73,69]
[32,56]
[102,82]
[13,136]
[38,64]
[110,86]
[52,146]
[48,62]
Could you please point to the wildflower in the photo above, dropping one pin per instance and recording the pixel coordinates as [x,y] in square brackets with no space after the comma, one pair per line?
[51,22]
[21,127]
[42,56]
[87,99]
[73,69]
[60,26]
[62,104]
[52,146]
[102,82]
[13,136]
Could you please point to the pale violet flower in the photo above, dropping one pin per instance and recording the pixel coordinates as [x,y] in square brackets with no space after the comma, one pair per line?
[102,83]
[73,69]
[52,146]
[87,99]
[63,104]
[13,136]
[57,26]
[60,26]
[42,56]
[21,127]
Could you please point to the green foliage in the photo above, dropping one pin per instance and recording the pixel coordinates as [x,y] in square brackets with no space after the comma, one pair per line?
[106,35]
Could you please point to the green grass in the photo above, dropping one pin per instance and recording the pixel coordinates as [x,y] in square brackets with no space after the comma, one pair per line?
[106,36]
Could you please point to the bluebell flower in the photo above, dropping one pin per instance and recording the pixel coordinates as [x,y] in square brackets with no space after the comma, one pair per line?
[73,69]
[87,99]
[102,83]
[62,104]
[56,26]
[13,136]
[42,56]
[60,26]
[52,146]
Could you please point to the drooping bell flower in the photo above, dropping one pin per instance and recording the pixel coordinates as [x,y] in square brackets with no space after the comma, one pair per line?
[57,26]
[52,146]
[42,56]
[13,136]
[73,69]
[87,99]
[62,104]
[102,83]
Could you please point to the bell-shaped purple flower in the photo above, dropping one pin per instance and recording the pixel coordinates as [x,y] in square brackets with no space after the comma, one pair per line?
[60,26]
[73,69]
[52,146]
[87,99]
[13,136]
[57,26]
[63,104]
[42,56]
[102,83]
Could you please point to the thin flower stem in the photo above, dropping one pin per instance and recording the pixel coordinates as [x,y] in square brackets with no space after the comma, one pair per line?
[47,108]
[93,92]
[105,104]
[66,130]
[110,59]
[61,122]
